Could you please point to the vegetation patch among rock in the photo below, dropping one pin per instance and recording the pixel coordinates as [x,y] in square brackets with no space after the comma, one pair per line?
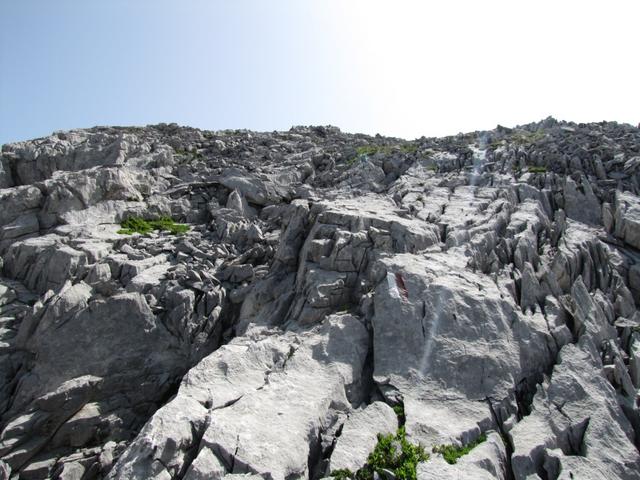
[451,453]
[394,454]
[133,225]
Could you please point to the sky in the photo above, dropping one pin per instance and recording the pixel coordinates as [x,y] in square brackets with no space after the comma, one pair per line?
[403,68]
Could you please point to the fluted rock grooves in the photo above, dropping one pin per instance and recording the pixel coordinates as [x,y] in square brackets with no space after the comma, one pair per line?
[485,283]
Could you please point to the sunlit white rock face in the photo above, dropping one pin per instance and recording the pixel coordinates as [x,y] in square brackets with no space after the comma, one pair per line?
[330,288]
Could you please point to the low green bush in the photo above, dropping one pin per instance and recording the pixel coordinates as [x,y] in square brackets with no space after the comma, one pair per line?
[451,453]
[393,453]
[527,138]
[194,154]
[399,410]
[132,225]
[372,149]
[342,474]
[409,148]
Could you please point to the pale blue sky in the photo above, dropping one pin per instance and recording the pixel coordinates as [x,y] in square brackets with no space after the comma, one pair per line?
[402,68]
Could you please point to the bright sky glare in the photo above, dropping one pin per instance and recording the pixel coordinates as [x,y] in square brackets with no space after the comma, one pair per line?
[405,67]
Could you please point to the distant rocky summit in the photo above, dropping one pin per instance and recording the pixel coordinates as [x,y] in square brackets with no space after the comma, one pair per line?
[186,304]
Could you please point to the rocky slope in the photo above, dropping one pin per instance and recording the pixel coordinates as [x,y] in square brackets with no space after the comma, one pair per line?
[482,284]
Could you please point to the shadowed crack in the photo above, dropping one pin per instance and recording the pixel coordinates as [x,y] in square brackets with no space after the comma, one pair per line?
[506,439]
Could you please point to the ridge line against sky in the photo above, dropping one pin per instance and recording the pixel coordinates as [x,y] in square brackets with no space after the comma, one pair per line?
[405,68]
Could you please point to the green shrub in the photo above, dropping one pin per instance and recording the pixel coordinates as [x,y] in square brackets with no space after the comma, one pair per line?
[372,150]
[535,169]
[399,409]
[451,453]
[132,225]
[352,160]
[410,148]
[527,138]
[342,474]
[363,152]
[396,454]
[167,224]
[386,149]
[393,453]
[194,154]
[383,149]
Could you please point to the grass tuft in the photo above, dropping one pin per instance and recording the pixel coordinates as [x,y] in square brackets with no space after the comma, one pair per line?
[194,154]
[451,453]
[399,411]
[369,150]
[342,474]
[132,225]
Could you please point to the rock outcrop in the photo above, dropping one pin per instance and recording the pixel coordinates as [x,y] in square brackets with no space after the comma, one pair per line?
[480,289]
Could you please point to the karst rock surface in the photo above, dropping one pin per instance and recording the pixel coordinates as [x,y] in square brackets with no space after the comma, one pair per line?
[485,284]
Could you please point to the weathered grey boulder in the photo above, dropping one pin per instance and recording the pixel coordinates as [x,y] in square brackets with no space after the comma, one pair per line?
[627,218]
[258,191]
[237,202]
[6,179]
[43,263]
[580,202]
